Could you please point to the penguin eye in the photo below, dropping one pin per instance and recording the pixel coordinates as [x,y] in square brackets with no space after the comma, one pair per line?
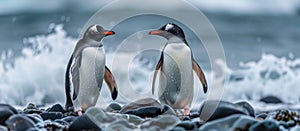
[94,32]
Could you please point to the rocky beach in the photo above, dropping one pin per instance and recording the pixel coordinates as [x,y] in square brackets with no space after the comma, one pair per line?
[149,114]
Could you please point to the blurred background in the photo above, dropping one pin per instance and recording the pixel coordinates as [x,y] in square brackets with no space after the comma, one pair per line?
[260,39]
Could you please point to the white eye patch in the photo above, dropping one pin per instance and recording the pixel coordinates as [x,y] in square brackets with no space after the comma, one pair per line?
[94,28]
[169,26]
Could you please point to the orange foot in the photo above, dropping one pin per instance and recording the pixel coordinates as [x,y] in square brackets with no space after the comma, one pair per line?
[79,112]
[186,112]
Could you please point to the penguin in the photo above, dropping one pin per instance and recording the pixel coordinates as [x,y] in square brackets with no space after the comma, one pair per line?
[86,70]
[176,65]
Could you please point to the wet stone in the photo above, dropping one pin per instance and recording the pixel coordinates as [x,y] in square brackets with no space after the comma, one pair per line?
[266,125]
[130,118]
[271,100]
[144,112]
[232,122]
[139,104]
[184,118]
[178,128]
[223,109]
[248,107]
[113,107]
[35,118]
[3,128]
[188,125]
[121,123]
[62,122]
[8,107]
[83,123]
[56,108]
[31,108]
[69,119]
[98,115]
[167,110]
[5,113]
[52,125]
[52,115]
[262,116]
[165,122]
[33,129]
[19,123]
[194,115]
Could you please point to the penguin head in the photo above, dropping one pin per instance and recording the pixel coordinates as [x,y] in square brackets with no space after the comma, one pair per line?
[169,31]
[96,32]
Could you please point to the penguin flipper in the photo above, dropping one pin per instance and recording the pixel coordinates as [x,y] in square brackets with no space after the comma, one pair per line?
[111,83]
[200,75]
[69,103]
[158,66]
[75,76]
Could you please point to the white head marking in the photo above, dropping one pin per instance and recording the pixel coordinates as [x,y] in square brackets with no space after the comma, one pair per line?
[169,26]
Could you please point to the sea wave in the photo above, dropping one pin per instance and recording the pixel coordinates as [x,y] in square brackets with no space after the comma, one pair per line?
[38,76]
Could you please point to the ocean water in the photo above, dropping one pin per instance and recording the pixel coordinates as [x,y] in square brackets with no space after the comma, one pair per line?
[261,45]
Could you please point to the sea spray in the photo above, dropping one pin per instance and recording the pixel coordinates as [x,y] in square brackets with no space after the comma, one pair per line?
[38,75]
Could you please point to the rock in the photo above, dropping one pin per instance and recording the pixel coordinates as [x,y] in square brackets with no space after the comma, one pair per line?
[184,118]
[178,128]
[271,100]
[19,123]
[56,108]
[187,125]
[248,107]
[194,115]
[296,128]
[99,116]
[83,123]
[143,112]
[62,122]
[33,129]
[69,119]
[121,125]
[266,125]
[261,116]
[3,128]
[52,115]
[130,118]
[5,113]
[223,109]
[113,107]
[140,103]
[167,110]
[9,107]
[230,123]
[53,126]
[163,122]
[31,108]
[35,118]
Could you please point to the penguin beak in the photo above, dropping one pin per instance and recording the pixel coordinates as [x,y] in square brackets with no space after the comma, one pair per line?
[155,32]
[108,33]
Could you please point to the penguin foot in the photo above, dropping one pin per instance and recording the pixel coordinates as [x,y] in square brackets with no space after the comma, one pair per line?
[79,112]
[186,112]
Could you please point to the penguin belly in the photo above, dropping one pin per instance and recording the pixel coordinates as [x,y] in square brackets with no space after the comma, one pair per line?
[91,75]
[176,78]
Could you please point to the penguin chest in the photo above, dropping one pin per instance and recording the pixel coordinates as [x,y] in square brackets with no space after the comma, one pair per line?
[176,81]
[91,75]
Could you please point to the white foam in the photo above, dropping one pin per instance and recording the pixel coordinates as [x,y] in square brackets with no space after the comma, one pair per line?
[38,76]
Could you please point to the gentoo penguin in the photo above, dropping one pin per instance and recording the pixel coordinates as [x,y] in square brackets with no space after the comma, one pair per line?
[86,70]
[176,65]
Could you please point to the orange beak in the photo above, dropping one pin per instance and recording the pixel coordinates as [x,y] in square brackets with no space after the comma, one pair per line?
[155,32]
[108,33]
